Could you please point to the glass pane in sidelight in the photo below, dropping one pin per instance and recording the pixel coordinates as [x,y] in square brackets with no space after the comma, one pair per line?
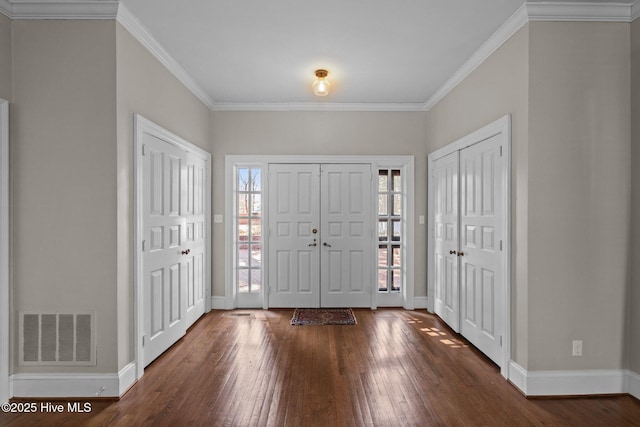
[397,205]
[397,183]
[396,256]
[256,256]
[243,179]
[243,280]
[383,206]
[383,256]
[383,233]
[243,255]
[256,205]
[382,280]
[396,230]
[256,230]
[256,179]
[383,181]
[397,279]
[243,230]
[243,204]
[256,280]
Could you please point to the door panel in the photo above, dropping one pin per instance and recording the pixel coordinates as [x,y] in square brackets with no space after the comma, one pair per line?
[165,272]
[195,239]
[482,299]
[294,214]
[346,268]
[446,239]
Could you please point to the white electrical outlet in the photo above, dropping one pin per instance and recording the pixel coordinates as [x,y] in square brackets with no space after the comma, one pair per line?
[577,347]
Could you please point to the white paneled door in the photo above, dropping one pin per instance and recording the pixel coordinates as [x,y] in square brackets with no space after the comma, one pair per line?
[468,234]
[445,176]
[481,219]
[294,220]
[320,235]
[166,251]
[346,233]
[195,240]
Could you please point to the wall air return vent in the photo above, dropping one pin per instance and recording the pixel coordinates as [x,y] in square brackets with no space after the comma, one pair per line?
[57,338]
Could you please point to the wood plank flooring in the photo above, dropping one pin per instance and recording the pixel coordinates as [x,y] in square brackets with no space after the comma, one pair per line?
[394,368]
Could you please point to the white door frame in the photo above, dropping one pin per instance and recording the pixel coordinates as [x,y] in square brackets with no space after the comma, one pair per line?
[501,127]
[232,162]
[5,307]
[143,126]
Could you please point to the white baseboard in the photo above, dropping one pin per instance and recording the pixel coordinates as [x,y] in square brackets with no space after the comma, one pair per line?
[420,302]
[73,385]
[633,384]
[574,383]
[219,303]
[126,378]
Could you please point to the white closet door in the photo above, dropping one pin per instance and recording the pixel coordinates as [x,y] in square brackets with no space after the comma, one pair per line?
[346,236]
[294,241]
[195,237]
[164,292]
[481,219]
[445,176]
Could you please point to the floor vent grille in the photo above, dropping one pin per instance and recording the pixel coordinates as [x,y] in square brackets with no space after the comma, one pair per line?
[57,339]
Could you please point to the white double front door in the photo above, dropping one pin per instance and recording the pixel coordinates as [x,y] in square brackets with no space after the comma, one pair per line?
[320,235]
[173,223]
[468,238]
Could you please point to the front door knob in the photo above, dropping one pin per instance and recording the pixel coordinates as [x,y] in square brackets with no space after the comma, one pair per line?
[186,252]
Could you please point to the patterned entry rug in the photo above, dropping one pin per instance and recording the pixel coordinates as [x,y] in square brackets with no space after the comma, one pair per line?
[323,316]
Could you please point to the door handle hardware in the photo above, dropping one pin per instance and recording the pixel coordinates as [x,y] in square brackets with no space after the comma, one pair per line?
[186,252]
[452,252]
[326,244]
[460,253]
[313,244]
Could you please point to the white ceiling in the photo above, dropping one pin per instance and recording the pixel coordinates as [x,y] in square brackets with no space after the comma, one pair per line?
[376,51]
[397,55]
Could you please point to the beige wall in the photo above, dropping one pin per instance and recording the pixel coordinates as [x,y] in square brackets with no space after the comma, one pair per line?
[5,57]
[145,87]
[497,87]
[317,133]
[63,173]
[579,193]
[634,300]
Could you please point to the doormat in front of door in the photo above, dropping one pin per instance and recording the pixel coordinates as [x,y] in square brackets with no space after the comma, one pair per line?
[323,316]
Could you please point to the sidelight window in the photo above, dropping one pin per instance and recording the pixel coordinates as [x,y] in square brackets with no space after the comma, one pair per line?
[249,230]
[389,230]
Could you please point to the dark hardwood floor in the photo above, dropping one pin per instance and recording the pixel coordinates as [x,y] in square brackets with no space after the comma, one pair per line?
[394,368]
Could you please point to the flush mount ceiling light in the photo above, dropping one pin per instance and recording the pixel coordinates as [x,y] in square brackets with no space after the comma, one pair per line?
[321,85]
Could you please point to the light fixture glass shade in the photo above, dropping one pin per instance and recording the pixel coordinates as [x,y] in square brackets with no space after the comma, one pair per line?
[321,85]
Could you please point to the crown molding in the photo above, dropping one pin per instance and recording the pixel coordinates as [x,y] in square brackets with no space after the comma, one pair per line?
[579,11]
[140,33]
[635,10]
[112,9]
[59,9]
[319,106]
[504,33]
[536,11]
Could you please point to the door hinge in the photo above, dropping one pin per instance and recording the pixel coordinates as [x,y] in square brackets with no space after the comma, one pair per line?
[144,149]
[500,340]
[143,245]
[144,340]
[501,151]
[500,245]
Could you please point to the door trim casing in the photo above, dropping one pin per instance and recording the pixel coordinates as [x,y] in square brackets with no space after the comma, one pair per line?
[407,163]
[502,126]
[141,126]
[5,294]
